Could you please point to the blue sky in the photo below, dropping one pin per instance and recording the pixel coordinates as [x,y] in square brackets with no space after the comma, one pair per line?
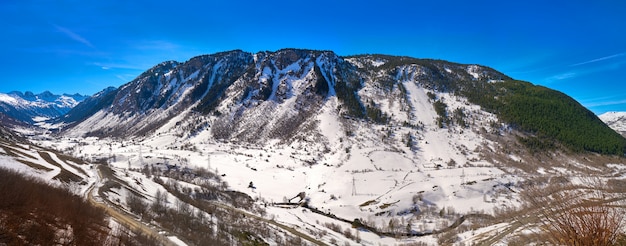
[69,46]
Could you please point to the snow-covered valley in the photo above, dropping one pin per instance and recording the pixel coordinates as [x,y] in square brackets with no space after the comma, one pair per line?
[398,190]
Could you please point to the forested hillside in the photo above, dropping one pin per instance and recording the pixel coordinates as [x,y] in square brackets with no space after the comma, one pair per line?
[549,116]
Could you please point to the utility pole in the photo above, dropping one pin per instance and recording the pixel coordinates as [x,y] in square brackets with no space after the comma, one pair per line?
[110,154]
[140,157]
[353,186]
[463,176]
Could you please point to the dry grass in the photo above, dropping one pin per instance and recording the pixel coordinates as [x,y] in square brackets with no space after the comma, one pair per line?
[576,215]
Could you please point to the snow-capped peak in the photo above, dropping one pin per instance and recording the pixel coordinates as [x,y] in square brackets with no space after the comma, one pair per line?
[29,107]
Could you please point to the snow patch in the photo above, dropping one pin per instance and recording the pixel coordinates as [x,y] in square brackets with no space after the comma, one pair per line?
[474,71]
[378,62]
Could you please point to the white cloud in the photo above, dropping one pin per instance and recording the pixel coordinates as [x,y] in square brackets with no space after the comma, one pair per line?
[107,66]
[598,59]
[563,76]
[607,100]
[73,36]
[576,70]
[567,75]
[124,77]
[605,103]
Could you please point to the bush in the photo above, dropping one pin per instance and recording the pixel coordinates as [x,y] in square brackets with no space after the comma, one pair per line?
[35,213]
[572,215]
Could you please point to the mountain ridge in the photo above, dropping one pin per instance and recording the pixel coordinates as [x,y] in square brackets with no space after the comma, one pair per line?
[227,92]
[31,108]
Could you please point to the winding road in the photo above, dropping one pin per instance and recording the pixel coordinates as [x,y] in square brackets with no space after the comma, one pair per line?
[130,222]
[126,219]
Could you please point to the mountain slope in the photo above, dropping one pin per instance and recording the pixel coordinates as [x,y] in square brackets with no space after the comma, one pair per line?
[551,117]
[239,96]
[90,105]
[615,120]
[30,108]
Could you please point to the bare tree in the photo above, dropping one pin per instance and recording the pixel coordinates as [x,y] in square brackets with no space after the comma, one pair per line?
[159,204]
[576,214]
[136,204]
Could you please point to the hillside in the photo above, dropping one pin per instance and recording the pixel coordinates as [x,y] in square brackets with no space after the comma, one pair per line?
[231,93]
[35,213]
[551,117]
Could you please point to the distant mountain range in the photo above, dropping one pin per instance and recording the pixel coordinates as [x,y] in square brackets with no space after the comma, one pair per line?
[30,108]
[615,120]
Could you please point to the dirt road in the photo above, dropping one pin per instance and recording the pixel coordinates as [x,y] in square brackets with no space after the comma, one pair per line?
[130,222]
[126,219]
[282,226]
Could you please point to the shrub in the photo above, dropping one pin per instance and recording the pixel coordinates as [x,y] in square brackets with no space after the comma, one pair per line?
[572,215]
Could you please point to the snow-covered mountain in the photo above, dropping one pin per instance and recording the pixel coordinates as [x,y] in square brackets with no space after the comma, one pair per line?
[615,120]
[252,98]
[31,108]
[406,150]
[244,96]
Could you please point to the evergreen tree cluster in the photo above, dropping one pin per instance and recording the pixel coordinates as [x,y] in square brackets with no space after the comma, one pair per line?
[375,114]
[346,93]
[459,117]
[549,115]
[441,109]
[555,115]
